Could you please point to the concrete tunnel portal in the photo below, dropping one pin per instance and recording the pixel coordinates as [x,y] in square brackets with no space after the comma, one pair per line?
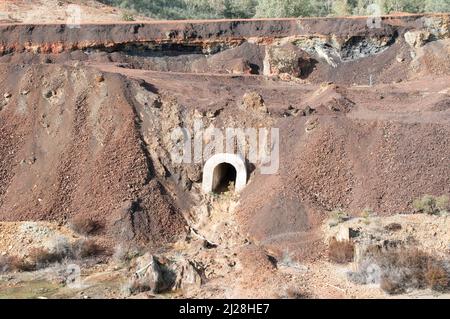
[222,169]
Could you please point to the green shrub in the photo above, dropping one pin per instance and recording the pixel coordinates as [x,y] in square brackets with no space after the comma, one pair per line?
[126,16]
[340,215]
[217,9]
[431,205]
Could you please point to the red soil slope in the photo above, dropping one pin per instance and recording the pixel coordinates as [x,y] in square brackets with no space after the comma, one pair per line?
[86,116]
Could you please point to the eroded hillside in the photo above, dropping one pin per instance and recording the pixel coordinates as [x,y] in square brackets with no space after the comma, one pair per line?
[86,117]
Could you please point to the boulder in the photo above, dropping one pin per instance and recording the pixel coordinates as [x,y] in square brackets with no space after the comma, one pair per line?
[254,101]
[160,274]
[194,172]
[418,38]
[287,59]
[148,99]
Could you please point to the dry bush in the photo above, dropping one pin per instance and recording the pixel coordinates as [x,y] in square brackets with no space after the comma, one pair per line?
[437,277]
[88,248]
[125,253]
[137,285]
[20,264]
[403,268]
[340,252]
[14,263]
[41,257]
[5,263]
[391,285]
[38,257]
[393,227]
[84,226]
[293,293]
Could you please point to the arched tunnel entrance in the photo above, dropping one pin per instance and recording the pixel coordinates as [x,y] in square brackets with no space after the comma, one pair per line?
[222,169]
[224,178]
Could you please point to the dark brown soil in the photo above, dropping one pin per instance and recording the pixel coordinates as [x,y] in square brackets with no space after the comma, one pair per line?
[81,155]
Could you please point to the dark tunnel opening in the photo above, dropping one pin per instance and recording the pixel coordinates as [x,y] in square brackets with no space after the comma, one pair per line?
[224,178]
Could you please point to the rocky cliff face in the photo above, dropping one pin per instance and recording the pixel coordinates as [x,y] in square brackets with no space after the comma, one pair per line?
[236,47]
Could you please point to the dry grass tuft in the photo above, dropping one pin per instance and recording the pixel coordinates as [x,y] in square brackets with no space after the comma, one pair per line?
[85,226]
[88,248]
[340,252]
[402,269]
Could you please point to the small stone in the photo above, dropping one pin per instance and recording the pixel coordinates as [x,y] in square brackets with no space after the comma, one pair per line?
[311,124]
[99,78]
[31,160]
[308,110]
[48,94]
[213,113]
[25,92]
[7,95]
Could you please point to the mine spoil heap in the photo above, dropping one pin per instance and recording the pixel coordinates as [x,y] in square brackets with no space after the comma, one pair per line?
[86,115]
